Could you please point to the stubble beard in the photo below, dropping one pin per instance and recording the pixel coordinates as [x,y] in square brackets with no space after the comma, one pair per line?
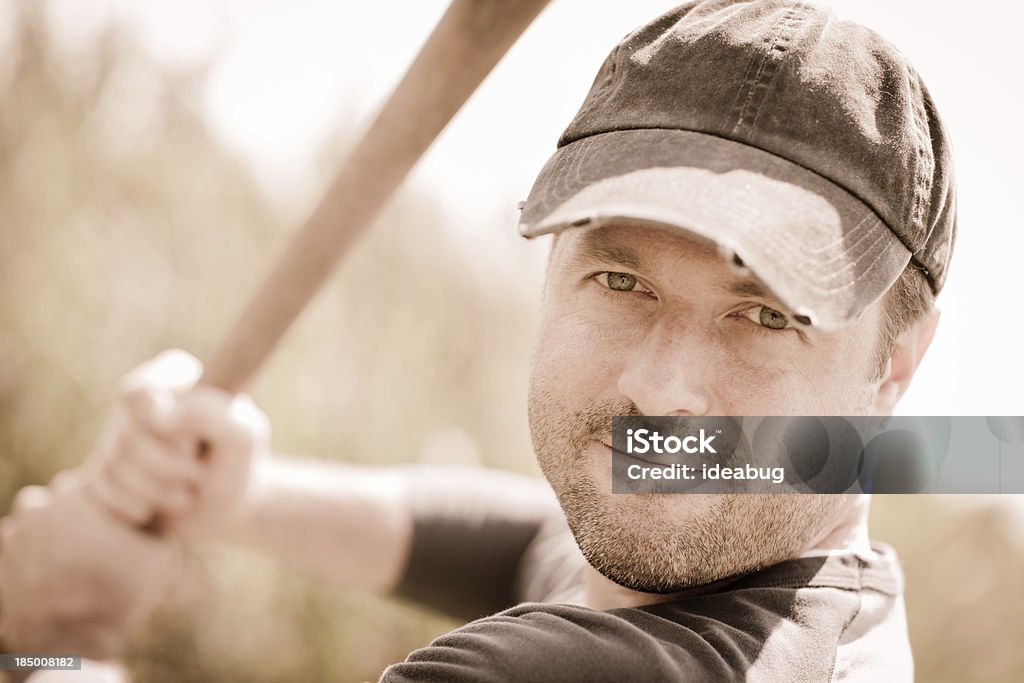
[661,543]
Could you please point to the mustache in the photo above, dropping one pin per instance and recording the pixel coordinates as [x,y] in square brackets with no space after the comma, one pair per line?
[595,421]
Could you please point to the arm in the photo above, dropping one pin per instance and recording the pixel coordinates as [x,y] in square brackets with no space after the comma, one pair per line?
[472,528]
[451,537]
[339,522]
[343,523]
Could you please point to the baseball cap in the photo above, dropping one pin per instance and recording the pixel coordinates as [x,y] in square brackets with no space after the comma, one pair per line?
[804,146]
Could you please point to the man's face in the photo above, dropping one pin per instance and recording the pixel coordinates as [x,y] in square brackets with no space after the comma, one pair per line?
[639,320]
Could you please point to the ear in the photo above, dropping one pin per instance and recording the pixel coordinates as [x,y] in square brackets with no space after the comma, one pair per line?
[907,352]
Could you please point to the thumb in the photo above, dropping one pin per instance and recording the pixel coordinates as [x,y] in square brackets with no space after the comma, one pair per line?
[148,392]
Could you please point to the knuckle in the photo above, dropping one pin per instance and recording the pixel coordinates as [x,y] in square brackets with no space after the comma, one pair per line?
[249,423]
[30,497]
[177,367]
[173,370]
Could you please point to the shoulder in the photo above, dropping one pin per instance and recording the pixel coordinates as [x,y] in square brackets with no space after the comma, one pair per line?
[544,642]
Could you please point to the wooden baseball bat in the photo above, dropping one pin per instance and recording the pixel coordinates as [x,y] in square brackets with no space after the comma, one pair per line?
[466,44]
[464,47]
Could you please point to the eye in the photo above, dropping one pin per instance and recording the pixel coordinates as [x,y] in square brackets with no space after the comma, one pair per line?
[620,282]
[766,317]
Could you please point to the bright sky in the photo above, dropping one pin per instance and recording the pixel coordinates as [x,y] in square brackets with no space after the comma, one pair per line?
[286,75]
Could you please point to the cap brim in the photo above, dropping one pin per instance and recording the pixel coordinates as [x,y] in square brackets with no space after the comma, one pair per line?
[821,251]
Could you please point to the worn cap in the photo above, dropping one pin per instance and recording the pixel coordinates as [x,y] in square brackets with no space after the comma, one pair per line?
[806,147]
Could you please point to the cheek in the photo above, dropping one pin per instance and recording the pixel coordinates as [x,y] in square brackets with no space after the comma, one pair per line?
[749,387]
[812,381]
[575,357]
[847,377]
[817,384]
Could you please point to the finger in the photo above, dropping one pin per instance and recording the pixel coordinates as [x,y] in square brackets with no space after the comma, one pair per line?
[130,482]
[124,507]
[145,474]
[167,464]
[247,415]
[232,421]
[148,392]
[145,408]
[174,369]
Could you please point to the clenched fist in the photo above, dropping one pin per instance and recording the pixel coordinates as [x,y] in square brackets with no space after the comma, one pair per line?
[73,578]
[177,450]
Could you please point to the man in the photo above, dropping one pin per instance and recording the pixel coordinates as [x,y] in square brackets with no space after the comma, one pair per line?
[753,212]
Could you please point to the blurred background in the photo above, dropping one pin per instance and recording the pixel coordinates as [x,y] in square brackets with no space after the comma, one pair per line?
[154,156]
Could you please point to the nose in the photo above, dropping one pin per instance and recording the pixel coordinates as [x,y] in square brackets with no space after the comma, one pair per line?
[668,372]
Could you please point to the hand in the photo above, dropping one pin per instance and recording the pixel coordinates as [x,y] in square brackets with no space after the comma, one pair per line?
[181,450]
[73,578]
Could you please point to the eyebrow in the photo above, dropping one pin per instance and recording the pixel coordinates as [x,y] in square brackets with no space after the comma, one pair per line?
[594,247]
[746,288]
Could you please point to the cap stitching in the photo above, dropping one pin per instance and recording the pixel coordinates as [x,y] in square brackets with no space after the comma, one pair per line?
[740,102]
[749,81]
[793,23]
[826,255]
[778,253]
[855,230]
[783,31]
[922,165]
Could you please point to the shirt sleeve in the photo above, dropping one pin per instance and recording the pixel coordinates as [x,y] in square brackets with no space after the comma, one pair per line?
[471,528]
[534,643]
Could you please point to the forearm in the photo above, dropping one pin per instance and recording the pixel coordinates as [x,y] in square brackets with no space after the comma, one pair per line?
[339,522]
[471,528]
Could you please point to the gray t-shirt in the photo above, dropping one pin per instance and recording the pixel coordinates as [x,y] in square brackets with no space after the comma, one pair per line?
[493,548]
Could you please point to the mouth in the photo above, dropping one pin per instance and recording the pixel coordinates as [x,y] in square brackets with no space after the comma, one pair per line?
[616,453]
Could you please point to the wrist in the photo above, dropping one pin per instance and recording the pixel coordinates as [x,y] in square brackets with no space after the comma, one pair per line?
[242,525]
